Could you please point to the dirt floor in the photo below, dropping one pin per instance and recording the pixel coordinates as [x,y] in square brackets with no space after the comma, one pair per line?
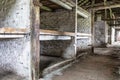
[93,67]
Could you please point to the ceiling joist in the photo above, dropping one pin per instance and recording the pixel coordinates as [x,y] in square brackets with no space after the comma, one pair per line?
[63,4]
[106,7]
[98,4]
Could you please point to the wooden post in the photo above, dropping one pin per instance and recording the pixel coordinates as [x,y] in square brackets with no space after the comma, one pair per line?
[76,7]
[92,29]
[35,46]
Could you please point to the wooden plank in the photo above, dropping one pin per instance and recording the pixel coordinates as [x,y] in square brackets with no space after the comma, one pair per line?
[10,30]
[23,31]
[46,8]
[35,45]
[63,4]
[106,7]
[98,4]
[69,2]
[57,66]
[52,32]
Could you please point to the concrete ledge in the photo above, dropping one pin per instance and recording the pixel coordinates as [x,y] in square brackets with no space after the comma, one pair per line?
[61,64]
[57,66]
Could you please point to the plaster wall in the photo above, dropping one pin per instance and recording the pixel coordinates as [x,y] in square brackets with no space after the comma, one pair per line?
[84,26]
[101,34]
[15,53]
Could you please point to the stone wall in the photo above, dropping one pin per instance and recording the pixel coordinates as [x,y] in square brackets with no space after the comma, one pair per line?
[84,26]
[15,53]
[54,47]
[101,32]
[61,20]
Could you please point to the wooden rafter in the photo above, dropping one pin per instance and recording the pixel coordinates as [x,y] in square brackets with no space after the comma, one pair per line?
[35,43]
[106,7]
[84,2]
[63,4]
[98,4]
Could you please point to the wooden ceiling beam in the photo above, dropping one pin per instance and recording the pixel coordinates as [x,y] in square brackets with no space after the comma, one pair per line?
[46,8]
[98,4]
[83,2]
[106,7]
[61,3]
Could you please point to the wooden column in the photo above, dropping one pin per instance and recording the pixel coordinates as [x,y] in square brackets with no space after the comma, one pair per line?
[92,29]
[35,45]
[76,16]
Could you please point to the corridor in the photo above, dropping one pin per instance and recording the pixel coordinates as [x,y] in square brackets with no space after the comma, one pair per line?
[92,67]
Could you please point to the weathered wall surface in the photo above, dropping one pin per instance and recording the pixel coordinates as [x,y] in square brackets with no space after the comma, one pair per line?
[84,26]
[15,13]
[54,47]
[101,30]
[61,20]
[15,53]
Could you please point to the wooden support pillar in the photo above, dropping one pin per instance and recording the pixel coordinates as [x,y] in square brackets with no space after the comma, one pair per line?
[35,46]
[92,29]
[76,16]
